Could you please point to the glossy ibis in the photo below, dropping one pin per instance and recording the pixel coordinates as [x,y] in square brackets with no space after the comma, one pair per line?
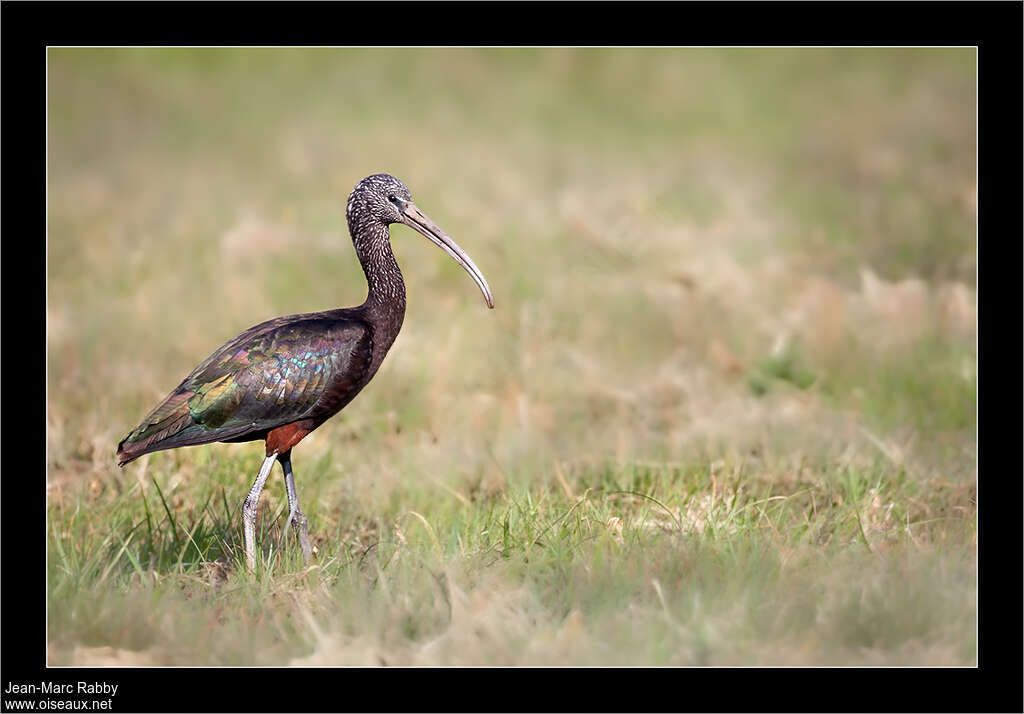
[281,379]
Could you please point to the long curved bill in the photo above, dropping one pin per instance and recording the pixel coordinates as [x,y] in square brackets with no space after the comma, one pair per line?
[417,220]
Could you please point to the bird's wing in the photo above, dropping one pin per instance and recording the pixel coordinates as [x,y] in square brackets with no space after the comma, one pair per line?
[278,376]
[270,375]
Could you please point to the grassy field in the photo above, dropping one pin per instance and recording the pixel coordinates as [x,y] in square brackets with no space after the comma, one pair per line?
[724,411]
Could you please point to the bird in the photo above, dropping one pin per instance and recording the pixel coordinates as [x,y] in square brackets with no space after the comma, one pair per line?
[280,380]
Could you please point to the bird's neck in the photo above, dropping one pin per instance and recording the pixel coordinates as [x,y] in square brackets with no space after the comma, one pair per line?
[385,296]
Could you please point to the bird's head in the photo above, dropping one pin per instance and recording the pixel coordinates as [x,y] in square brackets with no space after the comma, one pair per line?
[381,199]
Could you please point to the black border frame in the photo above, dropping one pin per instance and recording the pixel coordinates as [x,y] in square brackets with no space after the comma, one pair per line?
[994,27]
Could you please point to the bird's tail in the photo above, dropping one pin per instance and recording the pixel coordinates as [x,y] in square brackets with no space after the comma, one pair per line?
[168,419]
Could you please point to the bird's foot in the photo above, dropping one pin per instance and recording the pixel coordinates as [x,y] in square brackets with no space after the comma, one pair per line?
[301,526]
[297,520]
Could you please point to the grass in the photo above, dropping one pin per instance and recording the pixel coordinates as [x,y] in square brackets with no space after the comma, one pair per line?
[687,567]
[724,411]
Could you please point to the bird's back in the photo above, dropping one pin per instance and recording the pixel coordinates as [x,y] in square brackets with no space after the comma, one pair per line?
[300,367]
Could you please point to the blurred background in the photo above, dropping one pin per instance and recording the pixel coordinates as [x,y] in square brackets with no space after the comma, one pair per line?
[695,254]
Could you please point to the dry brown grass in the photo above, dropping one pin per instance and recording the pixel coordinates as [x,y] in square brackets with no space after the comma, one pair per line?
[757,266]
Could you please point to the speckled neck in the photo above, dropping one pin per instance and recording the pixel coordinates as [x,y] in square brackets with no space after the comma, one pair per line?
[385,297]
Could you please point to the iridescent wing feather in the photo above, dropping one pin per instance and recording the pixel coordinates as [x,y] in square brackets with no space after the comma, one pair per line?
[278,372]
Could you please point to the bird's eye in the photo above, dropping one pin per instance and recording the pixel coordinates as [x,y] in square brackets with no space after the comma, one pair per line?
[393,198]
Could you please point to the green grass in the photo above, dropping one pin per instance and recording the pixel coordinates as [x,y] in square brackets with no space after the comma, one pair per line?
[724,411]
[651,564]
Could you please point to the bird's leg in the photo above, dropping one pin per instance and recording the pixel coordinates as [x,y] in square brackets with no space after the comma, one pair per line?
[249,508]
[295,516]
